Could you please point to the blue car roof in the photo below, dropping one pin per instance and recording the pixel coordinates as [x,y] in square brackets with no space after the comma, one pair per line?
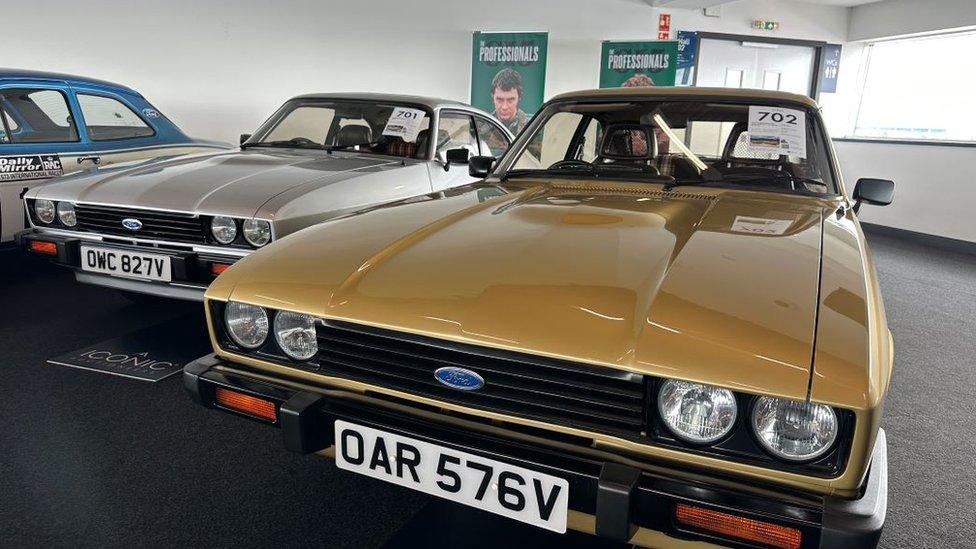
[70,79]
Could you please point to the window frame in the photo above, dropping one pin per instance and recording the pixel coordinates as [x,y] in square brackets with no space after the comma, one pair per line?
[67,103]
[456,112]
[508,138]
[866,69]
[81,112]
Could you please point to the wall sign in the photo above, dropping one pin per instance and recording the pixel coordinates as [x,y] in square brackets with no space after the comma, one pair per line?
[508,75]
[664,26]
[636,64]
[762,24]
[831,68]
[687,50]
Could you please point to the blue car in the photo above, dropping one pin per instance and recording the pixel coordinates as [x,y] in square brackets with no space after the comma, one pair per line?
[56,124]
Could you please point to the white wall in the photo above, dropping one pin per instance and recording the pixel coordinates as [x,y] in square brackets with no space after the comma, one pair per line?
[219,68]
[905,17]
[934,188]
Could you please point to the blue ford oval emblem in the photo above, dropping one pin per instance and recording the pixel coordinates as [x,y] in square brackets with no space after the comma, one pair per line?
[459,378]
[132,224]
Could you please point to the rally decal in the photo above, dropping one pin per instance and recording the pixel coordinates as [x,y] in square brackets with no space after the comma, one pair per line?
[25,167]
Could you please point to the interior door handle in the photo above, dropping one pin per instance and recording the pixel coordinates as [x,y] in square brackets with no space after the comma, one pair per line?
[96,160]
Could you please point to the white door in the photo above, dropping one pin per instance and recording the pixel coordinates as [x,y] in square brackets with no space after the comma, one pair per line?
[759,65]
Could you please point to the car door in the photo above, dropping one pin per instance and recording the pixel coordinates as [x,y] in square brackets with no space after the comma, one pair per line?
[40,141]
[455,130]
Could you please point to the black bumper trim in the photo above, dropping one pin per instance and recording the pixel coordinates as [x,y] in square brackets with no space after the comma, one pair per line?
[620,497]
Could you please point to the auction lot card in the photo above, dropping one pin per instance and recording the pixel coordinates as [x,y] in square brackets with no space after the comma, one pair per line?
[777,131]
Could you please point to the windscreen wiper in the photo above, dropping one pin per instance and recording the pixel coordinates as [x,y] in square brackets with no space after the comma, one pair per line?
[296,142]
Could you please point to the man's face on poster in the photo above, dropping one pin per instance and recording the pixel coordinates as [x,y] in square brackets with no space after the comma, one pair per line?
[506,103]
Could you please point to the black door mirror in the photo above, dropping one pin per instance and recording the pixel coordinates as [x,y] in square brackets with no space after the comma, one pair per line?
[873,191]
[479,166]
[245,137]
[458,156]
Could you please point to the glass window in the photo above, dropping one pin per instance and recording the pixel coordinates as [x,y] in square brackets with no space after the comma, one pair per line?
[107,119]
[457,132]
[357,126]
[5,124]
[493,140]
[37,116]
[899,104]
[705,143]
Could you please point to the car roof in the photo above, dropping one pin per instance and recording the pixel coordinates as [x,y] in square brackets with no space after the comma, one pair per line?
[429,102]
[69,78]
[687,92]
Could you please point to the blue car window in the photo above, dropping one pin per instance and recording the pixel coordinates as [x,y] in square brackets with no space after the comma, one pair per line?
[107,119]
[38,116]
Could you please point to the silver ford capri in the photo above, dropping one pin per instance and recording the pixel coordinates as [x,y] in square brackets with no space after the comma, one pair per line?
[169,227]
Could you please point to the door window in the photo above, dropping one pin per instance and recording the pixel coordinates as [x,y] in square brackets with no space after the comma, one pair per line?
[493,141]
[37,116]
[457,132]
[107,119]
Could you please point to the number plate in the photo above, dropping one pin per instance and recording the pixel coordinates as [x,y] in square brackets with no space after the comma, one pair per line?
[126,263]
[524,495]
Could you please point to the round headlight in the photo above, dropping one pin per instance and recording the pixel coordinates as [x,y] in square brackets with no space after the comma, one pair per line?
[794,430]
[696,413]
[295,334]
[257,232]
[66,213]
[44,210]
[246,324]
[224,229]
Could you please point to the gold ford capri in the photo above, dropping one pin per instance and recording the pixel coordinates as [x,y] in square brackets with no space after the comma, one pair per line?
[654,319]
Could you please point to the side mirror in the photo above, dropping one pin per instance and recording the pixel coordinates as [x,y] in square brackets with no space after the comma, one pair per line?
[245,137]
[458,156]
[479,166]
[873,191]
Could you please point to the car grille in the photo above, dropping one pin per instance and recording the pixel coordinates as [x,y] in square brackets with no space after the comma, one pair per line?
[577,395]
[156,225]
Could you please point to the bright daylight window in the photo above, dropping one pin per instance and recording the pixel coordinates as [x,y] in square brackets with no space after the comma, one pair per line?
[920,89]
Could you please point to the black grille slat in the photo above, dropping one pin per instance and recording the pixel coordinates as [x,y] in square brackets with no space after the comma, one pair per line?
[499,378]
[562,392]
[498,397]
[180,227]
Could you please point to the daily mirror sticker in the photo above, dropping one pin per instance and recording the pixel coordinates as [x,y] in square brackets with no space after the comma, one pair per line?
[27,167]
[760,225]
[404,123]
[777,131]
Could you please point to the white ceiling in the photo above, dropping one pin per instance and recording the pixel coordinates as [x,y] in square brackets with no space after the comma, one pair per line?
[697,4]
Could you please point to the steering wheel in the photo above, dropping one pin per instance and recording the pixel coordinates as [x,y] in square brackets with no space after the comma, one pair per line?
[302,141]
[571,164]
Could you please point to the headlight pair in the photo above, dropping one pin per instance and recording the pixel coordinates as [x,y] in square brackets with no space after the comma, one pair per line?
[257,232]
[788,429]
[248,326]
[47,210]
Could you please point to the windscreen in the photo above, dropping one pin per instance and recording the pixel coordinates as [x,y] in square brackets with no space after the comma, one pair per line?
[362,126]
[748,145]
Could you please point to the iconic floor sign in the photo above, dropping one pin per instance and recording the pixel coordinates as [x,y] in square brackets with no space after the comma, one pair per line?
[148,354]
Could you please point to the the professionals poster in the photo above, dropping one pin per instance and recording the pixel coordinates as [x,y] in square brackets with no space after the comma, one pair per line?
[508,75]
[636,64]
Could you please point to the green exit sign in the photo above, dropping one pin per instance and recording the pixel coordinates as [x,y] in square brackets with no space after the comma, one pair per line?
[762,24]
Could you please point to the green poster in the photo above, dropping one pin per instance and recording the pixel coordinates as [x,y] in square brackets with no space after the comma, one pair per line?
[508,75]
[636,64]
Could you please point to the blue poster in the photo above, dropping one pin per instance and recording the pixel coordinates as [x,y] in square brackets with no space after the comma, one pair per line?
[687,48]
[830,68]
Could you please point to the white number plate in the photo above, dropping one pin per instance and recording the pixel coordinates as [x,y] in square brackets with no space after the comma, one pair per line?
[126,263]
[524,495]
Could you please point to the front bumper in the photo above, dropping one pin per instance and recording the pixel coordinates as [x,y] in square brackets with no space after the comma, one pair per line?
[191,271]
[616,498]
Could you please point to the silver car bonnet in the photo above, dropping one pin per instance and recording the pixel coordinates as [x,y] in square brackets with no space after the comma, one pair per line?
[232,183]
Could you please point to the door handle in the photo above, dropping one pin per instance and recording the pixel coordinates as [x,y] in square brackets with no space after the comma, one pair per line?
[96,160]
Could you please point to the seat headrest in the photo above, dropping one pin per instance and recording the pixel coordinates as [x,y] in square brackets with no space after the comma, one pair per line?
[353,135]
[628,142]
